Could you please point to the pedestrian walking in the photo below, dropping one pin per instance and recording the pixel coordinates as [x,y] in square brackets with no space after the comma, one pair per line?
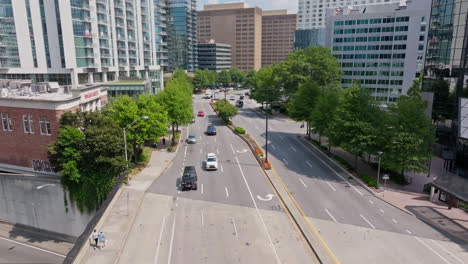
[95,237]
[102,240]
[302,125]
[164,140]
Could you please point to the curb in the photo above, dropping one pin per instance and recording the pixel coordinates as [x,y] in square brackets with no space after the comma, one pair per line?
[358,180]
[83,251]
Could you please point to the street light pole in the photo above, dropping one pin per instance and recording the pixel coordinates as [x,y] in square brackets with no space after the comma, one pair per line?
[266,129]
[378,168]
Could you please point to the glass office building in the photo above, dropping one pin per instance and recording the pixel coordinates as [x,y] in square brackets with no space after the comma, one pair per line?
[304,38]
[382,46]
[182,40]
[446,76]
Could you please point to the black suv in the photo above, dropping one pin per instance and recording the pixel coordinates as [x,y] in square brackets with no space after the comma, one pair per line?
[211,130]
[189,179]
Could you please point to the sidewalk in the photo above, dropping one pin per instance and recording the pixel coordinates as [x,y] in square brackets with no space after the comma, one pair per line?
[411,199]
[118,219]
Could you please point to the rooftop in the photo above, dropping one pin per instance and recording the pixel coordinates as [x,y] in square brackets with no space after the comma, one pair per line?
[225,6]
[128,82]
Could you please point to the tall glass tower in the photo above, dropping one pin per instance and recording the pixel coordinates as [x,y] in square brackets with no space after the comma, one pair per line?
[182,37]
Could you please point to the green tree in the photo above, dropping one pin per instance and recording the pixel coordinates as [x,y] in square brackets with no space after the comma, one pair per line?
[411,136]
[90,157]
[200,79]
[303,102]
[314,63]
[224,78]
[356,123]
[124,110]
[225,110]
[237,75]
[323,113]
[211,77]
[415,89]
[178,104]
[266,83]
[250,79]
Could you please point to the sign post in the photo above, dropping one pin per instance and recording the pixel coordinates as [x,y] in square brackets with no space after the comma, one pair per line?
[385,178]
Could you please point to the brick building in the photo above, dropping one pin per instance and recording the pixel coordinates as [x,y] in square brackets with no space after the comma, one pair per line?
[30,114]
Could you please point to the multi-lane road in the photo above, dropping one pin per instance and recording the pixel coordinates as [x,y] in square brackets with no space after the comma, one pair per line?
[233,216]
[356,225]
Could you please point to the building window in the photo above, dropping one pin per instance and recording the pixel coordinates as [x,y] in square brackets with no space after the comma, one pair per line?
[45,126]
[421,47]
[28,124]
[6,122]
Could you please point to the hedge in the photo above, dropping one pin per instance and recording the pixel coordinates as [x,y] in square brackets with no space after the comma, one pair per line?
[368,180]
[240,130]
[344,163]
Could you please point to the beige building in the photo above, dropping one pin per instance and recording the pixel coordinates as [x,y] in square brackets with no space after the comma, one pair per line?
[240,26]
[278,28]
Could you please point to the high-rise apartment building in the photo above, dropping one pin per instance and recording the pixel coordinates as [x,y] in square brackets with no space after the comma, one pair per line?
[278,28]
[78,41]
[381,46]
[214,56]
[163,29]
[235,24]
[446,76]
[182,41]
[311,13]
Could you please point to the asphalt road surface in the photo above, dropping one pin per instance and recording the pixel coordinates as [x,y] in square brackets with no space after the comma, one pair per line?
[16,252]
[233,216]
[324,192]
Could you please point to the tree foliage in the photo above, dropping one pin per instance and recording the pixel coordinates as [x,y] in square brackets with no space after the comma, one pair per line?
[89,152]
[355,125]
[204,78]
[225,110]
[224,78]
[303,101]
[315,64]
[266,83]
[250,79]
[176,99]
[237,76]
[125,110]
[410,136]
[323,113]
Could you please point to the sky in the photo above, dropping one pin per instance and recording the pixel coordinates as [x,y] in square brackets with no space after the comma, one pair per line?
[291,5]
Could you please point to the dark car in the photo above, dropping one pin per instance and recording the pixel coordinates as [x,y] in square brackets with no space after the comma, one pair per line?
[239,103]
[189,179]
[241,97]
[211,130]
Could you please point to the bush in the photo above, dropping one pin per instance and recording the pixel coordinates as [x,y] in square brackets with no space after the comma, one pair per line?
[177,135]
[344,163]
[368,180]
[170,149]
[240,130]
[324,148]
[463,205]
[229,122]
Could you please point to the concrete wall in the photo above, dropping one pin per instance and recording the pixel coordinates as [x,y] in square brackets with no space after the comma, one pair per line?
[45,208]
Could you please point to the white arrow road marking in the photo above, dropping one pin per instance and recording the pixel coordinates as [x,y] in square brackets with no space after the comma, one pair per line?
[331,186]
[303,183]
[331,215]
[309,164]
[367,221]
[422,242]
[267,198]
[159,241]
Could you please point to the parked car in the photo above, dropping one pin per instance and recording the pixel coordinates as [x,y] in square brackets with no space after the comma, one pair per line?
[211,162]
[201,113]
[211,130]
[189,179]
[241,97]
[239,103]
[192,139]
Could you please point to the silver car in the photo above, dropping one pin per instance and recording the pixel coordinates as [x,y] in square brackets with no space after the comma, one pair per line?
[192,139]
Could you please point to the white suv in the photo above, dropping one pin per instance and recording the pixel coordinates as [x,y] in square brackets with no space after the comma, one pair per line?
[211,162]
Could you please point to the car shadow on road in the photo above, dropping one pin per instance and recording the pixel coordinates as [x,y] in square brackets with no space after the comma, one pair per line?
[446,226]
